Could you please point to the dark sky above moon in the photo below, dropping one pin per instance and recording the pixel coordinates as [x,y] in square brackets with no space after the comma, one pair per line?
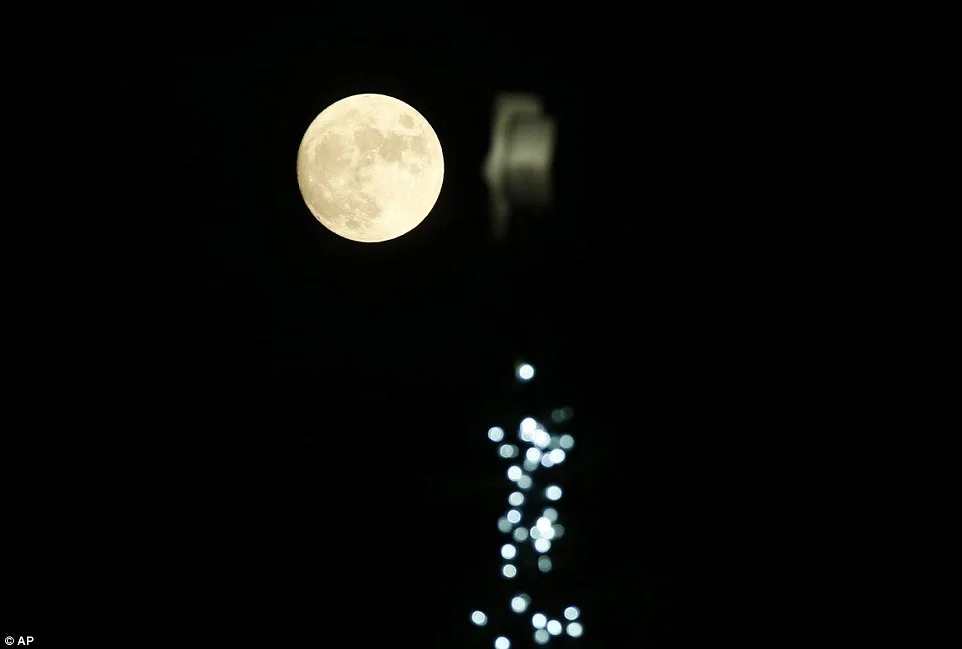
[306,416]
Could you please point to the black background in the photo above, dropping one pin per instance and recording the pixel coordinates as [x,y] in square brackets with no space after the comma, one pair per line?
[283,433]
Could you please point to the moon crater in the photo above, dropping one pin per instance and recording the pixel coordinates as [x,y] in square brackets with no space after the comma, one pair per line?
[370,168]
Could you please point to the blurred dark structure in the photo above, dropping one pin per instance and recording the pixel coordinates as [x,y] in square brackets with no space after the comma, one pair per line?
[517,169]
[305,417]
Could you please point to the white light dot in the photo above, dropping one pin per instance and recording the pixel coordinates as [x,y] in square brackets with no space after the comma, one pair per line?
[541,438]
[557,456]
[514,473]
[529,465]
[504,524]
[519,603]
[528,425]
[508,551]
[543,524]
[525,372]
[508,450]
[572,613]
[541,636]
[525,481]
[516,498]
[502,643]
[535,532]
[479,618]
[544,564]
[553,492]
[538,620]
[509,571]
[554,627]
[542,545]
[532,455]
[495,433]
[567,442]
[575,630]
[546,461]
[520,534]
[514,516]
[550,513]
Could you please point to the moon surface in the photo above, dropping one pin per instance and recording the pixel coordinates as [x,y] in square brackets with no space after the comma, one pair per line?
[370,168]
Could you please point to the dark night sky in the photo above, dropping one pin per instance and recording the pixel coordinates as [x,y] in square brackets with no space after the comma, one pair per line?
[306,416]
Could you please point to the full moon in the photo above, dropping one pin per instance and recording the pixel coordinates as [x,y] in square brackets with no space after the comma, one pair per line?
[370,168]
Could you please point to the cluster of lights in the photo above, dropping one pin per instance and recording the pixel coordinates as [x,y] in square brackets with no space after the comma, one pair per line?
[543,451]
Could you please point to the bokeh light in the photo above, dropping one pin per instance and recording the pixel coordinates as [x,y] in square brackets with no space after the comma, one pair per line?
[541,438]
[508,451]
[541,450]
[525,372]
[519,603]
